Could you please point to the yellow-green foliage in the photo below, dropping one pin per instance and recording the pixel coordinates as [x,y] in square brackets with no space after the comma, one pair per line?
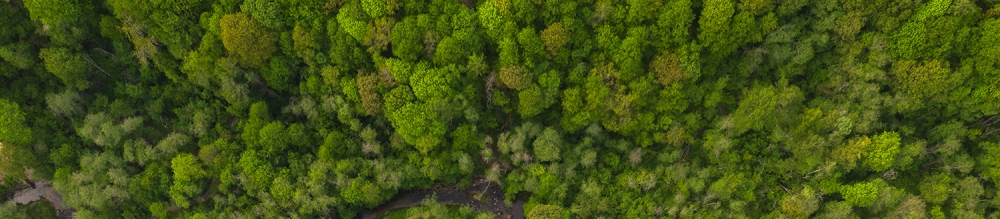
[247,39]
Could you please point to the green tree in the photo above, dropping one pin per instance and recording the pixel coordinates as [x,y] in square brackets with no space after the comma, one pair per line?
[259,173]
[15,141]
[370,98]
[273,137]
[909,41]
[279,74]
[882,152]
[247,39]
[508,53]
[714,26]
[836,209]
[531,46]
[988,163]
[268,13]
[545,212]
[755,109]
[187,172]
[64,20]
[400,70]
[413,123]
[466,137]
[912,207]
[492,15]
[531,101]
[573,117]
[379,8]
[67,65]
[930,80]
[850,153]
[862,194]
[378,33]
[967,192]
[406,39]
[99,186]
[555,37]
[515,77]
[67,103]
[449,51]
[547,145]
[667,67]
[800,205]
[434,84]
[307,44]
[171,144]
[282,190]
[849,25]
[102,130]
[12,120]
[18,54]
[675,20]
[936,188]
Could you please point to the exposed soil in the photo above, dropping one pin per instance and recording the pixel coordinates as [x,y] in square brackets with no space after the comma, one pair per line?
[43,189]
[481,195]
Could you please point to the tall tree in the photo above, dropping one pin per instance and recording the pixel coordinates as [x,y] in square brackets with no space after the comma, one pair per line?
[69,66]
[883,150]
[187,172]
[15,141]
[247,39]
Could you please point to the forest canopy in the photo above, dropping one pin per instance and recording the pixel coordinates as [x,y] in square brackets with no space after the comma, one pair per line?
[577,108]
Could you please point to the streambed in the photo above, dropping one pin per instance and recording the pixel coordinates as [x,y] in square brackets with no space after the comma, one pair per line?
[481,195]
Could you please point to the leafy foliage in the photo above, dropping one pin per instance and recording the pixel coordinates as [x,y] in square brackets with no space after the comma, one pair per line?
[882,151]
[578,109]
[862,194]
[247,39]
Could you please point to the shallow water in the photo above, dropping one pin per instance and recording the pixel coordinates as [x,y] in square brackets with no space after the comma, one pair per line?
[42,189]
[491,200]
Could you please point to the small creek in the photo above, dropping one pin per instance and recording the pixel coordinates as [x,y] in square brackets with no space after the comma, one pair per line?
[481,195]
[43,189]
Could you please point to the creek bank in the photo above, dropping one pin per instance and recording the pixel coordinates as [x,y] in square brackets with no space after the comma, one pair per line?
[481,195]
[43,189]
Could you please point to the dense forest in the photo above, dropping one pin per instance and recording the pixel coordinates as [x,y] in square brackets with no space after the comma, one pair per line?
[578,108]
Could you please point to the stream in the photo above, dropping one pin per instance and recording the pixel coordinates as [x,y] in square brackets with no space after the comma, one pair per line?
[43,189]
[481,195]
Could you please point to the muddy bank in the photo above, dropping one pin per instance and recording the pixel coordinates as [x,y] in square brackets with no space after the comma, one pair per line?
[43,189]
[481,195]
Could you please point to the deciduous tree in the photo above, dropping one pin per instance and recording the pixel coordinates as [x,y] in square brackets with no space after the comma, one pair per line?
[667,67]
[862,194]
[15,141]
[555,37]
[406,39]
[515,77]
[548,145]
[545,212]
[801,205]
[187,172]
[246,39]
[268,13]
[882,152]
[67,65]
[370,99]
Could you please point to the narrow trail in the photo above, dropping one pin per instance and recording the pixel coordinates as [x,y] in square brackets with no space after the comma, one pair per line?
[481,195]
